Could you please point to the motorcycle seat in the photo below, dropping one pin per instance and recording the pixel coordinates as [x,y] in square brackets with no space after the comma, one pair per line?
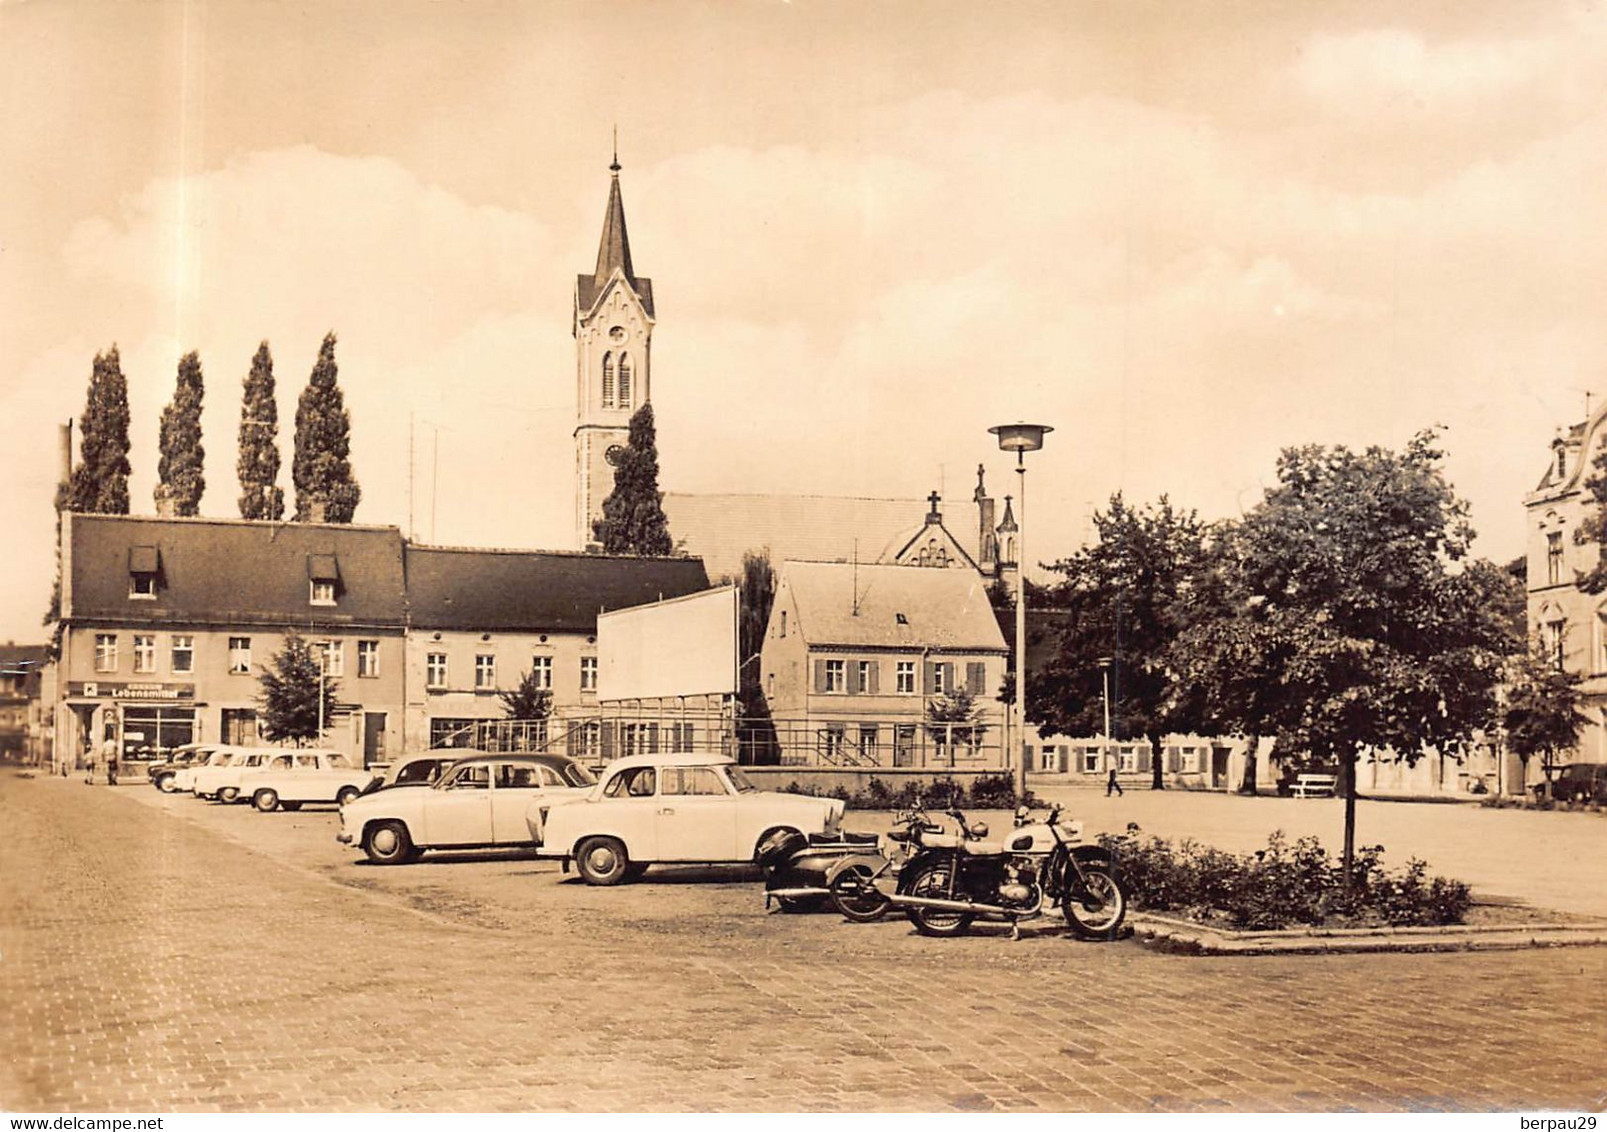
[842,839]
[943,841]
[983,848]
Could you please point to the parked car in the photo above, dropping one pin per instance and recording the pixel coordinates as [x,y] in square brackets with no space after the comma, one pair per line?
[414,770]
[1579,782]
[215,755]
[480,802]
[680,808]
[222,780]
[164,774]
[292,778]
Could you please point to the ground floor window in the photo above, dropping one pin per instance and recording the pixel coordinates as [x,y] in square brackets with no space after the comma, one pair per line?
[680,736]
[1090,760]
[239,727]
[446,732]
[153,732]
[1127,759]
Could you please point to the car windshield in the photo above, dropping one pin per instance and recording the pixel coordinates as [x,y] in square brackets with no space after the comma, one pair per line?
[743,784]
[577,775]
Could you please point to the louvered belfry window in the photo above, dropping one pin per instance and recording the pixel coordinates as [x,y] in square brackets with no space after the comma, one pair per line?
[608,381]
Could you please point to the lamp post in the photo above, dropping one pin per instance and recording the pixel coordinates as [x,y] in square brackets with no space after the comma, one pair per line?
[1021,439]
[1104,684]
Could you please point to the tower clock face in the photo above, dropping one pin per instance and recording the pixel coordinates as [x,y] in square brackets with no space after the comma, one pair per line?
[612,454]
[616,333]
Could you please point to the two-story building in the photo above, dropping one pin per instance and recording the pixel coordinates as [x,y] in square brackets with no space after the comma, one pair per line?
[859,659]
[21,670]
[481,620]
[167,625]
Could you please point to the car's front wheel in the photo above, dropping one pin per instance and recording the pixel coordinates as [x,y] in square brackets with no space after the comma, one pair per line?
[388,843]
[602,860]
[266,800]
[228,794]
[164,783]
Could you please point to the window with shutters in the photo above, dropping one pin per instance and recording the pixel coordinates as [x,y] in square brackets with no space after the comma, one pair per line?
[608,381]
[940,679]
[865,672]
[904,677]
[836,676]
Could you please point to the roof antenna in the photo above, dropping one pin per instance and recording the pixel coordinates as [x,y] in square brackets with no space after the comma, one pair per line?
[856,577]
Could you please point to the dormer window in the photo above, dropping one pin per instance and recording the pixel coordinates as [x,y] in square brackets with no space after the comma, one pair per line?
[144,566]
[1562,461]
[323,579]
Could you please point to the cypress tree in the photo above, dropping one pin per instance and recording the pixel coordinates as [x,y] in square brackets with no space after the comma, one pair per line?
[178,471]
[261,497]
[322,470]
[100,481]
[633,519]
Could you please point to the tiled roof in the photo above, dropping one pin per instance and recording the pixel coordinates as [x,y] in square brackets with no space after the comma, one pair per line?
[720,528]
[892,606]
[233,571]
[589,289]
[536,591]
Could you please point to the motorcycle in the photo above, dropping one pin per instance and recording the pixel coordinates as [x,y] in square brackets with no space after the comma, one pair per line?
[853,879]
[958,877]
[797,868]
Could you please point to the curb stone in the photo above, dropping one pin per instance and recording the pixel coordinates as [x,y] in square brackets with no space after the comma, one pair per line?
[1162,933]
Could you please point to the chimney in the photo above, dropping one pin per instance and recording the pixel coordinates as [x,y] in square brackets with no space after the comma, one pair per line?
[66,431]
[317,509]
[165,508]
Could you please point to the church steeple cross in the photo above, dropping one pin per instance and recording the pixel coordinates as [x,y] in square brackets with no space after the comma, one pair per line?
[934,516]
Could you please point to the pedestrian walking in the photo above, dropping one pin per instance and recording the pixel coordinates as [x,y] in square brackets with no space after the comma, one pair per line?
[1112,785]
[109,756]
[89,766]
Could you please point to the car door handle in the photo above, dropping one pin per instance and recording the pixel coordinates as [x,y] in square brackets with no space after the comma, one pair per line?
[666,810]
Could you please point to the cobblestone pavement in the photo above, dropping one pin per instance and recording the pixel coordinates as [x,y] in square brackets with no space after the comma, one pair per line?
[164,954]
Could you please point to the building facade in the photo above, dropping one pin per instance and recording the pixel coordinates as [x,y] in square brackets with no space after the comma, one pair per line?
[613,327]
[21,703]
[857,660]
[167,625]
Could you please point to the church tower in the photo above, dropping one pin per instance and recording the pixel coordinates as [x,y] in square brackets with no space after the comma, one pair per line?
[613,339]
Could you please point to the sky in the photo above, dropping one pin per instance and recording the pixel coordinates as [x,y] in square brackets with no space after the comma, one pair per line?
[1186,235]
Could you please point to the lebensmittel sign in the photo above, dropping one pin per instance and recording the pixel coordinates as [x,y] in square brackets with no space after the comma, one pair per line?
[104,690]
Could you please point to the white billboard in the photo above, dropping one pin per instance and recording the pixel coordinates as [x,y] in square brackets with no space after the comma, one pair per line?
[686,646]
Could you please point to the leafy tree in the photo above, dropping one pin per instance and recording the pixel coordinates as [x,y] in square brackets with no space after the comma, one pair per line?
[1126,597]
[529,700]
[291,688]
[954,719]
[1542,715]
[1593,528]
[179,479]
[261,497]
[99,483]
[633,519]
[322,469]
[1371,635]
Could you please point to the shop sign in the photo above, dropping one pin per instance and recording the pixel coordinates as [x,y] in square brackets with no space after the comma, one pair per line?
[104,690]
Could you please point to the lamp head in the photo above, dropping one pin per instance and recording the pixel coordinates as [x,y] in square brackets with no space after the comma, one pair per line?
[1021,437]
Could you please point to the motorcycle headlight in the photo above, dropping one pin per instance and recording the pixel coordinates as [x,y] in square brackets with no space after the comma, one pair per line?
[979,829]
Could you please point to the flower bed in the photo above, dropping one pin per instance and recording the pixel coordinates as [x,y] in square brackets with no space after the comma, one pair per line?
[1282,885]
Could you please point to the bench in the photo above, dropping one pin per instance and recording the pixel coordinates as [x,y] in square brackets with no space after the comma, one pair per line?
[1314,785]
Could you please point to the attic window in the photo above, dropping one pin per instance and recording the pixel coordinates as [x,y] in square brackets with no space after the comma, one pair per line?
[144,565]
[902,620]
[323,576]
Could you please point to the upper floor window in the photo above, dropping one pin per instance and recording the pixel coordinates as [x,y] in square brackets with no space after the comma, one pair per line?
[1551,639]
[588,674]
[940,679]
[144,653]
[239,655]
[608,381]
[624,381]
[368,658]
[906,677]
[1553,557]
[183,654]
[541,669]
[865,671]
[435,671]
[836,676]
[105,652]
[333,654]
[143,566]
[485,672]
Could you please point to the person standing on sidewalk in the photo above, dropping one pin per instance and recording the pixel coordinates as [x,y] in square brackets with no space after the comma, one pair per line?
[1112,785]
[109,756]
[90,755]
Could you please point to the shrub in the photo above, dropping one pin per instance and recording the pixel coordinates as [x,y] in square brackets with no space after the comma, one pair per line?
[1283,884]
[987,792]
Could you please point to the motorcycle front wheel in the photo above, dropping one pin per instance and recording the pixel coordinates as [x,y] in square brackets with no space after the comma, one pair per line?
[1101,909]
[856,896]
[933,882]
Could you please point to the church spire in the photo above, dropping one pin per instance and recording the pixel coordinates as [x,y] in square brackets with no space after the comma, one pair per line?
[615,249]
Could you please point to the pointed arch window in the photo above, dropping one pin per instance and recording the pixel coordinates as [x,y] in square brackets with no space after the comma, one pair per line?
[624,381]
[608,381]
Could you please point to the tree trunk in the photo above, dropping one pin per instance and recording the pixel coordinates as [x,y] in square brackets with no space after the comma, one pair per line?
[1248,784]
[1156,767]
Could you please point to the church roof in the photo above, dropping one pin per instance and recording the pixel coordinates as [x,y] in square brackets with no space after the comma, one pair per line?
[891,606]
[613,255]
[720,528]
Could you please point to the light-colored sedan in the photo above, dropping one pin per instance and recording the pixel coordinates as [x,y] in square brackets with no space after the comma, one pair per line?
[292,778]
[221,780]
[673,808]
[480,802]
[216,756]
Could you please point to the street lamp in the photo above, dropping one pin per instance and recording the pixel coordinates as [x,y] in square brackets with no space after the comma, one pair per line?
[1021,439]
[1105,663]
